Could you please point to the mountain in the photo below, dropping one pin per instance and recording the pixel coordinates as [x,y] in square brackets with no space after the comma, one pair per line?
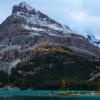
[31,39]
[27,27]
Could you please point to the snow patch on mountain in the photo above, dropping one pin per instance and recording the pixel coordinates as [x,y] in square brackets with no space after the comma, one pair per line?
[53,26]
[33,28]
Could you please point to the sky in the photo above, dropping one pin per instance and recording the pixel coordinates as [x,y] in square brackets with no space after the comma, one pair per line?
[80,15]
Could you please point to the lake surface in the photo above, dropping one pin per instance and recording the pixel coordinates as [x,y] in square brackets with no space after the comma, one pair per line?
[45,95]
[49,98]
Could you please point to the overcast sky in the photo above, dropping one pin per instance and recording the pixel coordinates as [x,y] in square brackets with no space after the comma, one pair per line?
[79,14]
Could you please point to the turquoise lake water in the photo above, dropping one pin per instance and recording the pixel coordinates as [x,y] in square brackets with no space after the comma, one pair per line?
[42,92]
[49,98]
[28,95]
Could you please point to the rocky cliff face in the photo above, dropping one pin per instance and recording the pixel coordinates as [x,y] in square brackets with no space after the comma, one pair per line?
[26,27]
